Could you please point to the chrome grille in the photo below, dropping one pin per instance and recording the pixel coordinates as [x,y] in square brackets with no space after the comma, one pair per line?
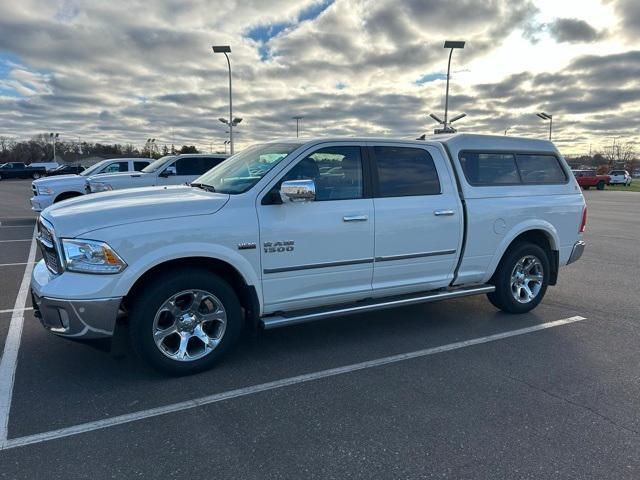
[46,239]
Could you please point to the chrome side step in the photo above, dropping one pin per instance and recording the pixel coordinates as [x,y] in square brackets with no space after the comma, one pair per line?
[275,321]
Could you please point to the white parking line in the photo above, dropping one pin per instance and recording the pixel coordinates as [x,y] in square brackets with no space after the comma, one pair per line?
[12,344]
[263,387]
[12,310]
[14,264]
[19,240]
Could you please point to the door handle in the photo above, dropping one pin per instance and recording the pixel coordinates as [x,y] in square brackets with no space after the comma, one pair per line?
[443,213]
[355,218]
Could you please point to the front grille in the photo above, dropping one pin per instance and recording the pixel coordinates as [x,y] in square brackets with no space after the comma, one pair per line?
[47,242]
[34,190]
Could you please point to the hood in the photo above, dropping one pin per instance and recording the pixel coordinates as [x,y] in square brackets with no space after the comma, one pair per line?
[57,179]
[80,215]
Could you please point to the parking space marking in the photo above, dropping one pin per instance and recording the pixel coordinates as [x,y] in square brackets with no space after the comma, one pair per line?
[12,344]
[14,264]
[11,310]
[19,240]
[285,382]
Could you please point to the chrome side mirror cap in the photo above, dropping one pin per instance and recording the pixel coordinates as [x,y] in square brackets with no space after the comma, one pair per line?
[298,191]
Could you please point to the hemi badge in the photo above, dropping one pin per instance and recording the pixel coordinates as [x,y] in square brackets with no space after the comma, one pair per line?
[246,246]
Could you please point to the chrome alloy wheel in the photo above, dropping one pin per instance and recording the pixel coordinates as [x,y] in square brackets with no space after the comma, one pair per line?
[189,325]
[526,279]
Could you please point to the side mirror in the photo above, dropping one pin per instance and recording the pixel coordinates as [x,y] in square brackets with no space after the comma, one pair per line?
[167,172]
[298,191]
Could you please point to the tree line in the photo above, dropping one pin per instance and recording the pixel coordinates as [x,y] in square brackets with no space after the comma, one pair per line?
[40,149]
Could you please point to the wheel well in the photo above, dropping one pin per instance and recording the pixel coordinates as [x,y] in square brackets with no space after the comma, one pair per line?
[541,238]
[246,293]
[66,195]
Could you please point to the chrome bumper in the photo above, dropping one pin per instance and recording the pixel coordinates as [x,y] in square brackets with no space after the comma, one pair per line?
[577,251]
[81,319]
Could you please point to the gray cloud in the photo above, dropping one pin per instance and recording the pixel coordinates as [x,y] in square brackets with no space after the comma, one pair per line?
[573,30]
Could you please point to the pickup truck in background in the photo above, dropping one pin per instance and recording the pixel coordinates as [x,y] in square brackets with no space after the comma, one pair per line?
[20,170]
[47,191]
[66,170]
[295,231]
[589,178]
[168,170]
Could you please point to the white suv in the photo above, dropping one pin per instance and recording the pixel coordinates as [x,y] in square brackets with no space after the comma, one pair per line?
[620,177]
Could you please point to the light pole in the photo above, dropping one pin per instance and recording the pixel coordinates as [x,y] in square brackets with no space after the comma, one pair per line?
[446,124]
[151,143]
[226,142]
[297,118]
[54,139]
[506,130]
[232,122]
[546,116]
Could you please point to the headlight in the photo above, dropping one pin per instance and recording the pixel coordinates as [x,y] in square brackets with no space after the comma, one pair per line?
[44,190]
[100,187]
[90,256]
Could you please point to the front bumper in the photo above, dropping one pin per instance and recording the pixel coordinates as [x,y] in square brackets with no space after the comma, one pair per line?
[578,250]
[40,202]
[81,319]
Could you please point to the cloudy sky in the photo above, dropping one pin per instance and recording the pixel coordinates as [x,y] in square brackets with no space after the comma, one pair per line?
[126,70]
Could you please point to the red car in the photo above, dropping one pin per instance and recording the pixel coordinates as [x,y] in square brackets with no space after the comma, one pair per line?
[589,178]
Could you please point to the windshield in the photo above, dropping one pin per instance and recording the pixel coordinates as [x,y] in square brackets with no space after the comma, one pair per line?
[93,168]
[243,170]
[158,164]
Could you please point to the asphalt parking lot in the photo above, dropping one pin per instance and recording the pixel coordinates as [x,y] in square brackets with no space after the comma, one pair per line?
[446,390]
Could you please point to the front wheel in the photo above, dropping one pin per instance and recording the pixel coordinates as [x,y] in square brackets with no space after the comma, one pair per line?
[184,322]
[521,279]
[35,176]
[600,185]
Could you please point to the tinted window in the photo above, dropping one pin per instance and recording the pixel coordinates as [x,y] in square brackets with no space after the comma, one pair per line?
[116,167]
[137,166]
[336,171]
[405,171]
[489,168]
[540,169]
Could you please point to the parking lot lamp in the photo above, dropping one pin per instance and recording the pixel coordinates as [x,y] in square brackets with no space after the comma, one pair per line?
[452,45]
[297,118]
[225,49]
[54,139]
[546,116]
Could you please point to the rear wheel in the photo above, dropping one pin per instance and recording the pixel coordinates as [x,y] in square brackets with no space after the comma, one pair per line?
[66,196]
[183,323]
[521,278]
[600,185]
[586,187]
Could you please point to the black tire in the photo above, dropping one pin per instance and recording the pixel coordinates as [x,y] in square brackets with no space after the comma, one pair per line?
[36,176]
[148,302]
[586,187]
[503,297]
[600,185]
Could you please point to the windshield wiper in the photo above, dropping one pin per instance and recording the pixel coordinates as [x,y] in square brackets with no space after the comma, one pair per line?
[203,186]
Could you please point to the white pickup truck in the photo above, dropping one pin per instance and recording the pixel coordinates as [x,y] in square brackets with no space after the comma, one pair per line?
[294,231]
[47,191]
[168,170]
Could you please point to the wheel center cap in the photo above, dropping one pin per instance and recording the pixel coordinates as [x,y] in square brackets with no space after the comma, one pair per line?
[187,322]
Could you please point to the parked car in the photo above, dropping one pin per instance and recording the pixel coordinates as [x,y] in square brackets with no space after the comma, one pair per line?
[49,166]
[20,170]
[169,170]
[620,177]
[589,178]
[294,231]
[66,170]
[47,191]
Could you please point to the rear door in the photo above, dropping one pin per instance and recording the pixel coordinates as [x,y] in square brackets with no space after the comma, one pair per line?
[186,170]
[418,220]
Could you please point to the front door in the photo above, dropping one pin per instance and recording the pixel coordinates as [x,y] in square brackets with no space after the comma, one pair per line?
[418,219]
[319,252]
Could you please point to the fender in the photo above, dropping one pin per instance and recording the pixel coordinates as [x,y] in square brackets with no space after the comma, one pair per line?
[143,264]
[520,228]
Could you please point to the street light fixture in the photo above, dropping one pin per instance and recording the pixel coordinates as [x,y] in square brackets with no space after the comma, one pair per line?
[545,117]
[297,118]
[151,143]
[225,49]
[54,139]
[446,124]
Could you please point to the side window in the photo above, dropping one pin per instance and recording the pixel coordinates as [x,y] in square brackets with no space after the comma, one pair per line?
[404,171]
[337,172]
[137,166]
[116,167]
[485,169]
[192,166]
[540,169]
[208,163]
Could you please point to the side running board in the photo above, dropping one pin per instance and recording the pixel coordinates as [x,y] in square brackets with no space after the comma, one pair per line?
[293,318]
